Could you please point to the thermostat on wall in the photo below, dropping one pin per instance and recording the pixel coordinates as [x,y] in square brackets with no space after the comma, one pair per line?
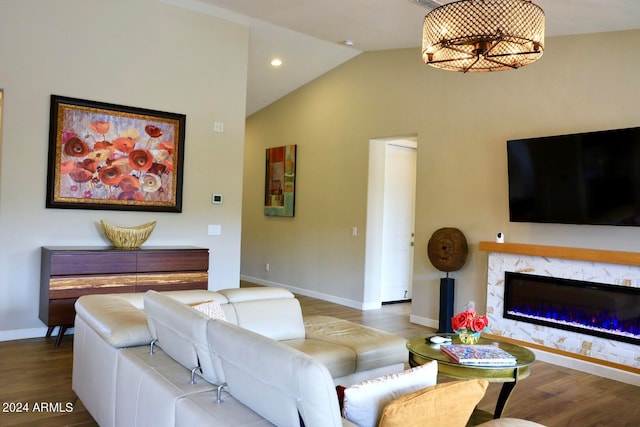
[216,199]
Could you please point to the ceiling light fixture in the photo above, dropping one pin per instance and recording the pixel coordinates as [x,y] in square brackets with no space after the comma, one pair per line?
[483,35]
[276,62]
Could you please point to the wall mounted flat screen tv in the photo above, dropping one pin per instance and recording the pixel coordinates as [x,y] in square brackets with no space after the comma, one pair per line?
[585,178]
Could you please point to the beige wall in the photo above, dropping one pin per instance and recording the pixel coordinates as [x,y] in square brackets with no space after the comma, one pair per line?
[141,53]
[582,83]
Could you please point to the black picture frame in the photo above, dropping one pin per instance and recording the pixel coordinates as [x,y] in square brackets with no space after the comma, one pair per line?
[114,157]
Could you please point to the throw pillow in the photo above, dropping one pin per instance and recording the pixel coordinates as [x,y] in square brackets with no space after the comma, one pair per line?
[363,403]
[449,404]
[210,308]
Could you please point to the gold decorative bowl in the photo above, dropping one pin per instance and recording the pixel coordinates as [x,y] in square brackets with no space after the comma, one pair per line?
[127,237]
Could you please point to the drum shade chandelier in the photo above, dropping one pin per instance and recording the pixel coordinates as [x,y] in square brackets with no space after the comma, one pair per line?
[483,35]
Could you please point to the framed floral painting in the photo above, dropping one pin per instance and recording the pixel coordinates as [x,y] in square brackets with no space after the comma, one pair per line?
[280,181]
[106,156]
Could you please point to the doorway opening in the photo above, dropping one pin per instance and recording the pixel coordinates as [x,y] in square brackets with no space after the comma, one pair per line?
[390,220]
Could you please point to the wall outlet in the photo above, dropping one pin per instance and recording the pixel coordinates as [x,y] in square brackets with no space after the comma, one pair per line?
[214,229]
[267,267]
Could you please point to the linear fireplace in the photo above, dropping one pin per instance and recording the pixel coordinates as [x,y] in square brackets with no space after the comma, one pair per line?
[591,308]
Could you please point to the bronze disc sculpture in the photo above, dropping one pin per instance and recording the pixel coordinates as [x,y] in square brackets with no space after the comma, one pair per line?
[447,250]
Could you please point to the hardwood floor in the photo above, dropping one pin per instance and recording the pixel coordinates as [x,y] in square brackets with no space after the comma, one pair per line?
[36,373]
[36,384]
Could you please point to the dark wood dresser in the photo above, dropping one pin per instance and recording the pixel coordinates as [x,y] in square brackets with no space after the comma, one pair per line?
[68,272]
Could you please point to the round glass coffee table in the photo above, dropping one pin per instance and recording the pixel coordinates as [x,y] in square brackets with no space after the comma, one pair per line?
[421,351]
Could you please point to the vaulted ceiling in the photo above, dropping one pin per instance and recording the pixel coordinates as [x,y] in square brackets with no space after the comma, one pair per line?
[309,35]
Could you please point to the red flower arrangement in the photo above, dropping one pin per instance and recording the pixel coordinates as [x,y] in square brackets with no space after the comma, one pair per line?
[468,322]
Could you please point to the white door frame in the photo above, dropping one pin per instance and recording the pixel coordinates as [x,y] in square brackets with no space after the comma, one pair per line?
[372,297]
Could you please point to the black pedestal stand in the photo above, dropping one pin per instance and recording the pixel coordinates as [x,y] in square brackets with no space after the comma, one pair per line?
[446,304]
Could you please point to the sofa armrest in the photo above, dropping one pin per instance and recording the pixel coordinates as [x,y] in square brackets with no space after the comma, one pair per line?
[115,319]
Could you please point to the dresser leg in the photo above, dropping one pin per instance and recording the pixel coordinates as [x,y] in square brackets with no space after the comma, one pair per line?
[49,331]
[63,329]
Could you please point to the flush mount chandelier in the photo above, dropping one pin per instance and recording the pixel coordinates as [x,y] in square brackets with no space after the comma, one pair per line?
[483,35]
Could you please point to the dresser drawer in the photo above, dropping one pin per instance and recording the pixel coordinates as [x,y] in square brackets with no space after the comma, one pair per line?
[186,260]
[88,262]
[172,281]
[60,312]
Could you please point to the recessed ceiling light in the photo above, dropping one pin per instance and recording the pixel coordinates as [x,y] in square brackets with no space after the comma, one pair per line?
[276,62]
[349,42]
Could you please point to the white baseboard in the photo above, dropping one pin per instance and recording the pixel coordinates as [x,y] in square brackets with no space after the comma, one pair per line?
[587,367]
[319,295]
[424,321]
[23,334]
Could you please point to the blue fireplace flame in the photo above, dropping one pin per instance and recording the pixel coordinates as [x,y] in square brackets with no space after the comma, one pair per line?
[586,307]
[601,319]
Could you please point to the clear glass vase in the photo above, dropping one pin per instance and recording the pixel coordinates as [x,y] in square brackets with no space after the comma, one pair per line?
[469,338]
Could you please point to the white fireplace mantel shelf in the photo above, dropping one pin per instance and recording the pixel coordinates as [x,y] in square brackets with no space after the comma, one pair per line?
[593,255]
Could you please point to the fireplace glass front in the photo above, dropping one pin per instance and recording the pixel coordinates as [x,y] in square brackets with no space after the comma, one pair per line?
[591,308]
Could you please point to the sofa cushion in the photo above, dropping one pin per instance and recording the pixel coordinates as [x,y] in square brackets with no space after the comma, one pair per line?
[449,404]
[363,403]
[340,360]
[276,381]
[373,348]
[276,318]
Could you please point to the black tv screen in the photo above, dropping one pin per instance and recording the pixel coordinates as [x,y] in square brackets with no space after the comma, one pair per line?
[585,178]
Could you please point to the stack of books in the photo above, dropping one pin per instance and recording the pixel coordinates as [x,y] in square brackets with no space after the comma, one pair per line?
[488,355]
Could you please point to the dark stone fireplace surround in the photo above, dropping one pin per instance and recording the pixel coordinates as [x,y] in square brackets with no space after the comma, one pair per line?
[609,267]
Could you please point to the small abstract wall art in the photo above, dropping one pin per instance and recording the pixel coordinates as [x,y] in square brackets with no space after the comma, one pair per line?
[280,181]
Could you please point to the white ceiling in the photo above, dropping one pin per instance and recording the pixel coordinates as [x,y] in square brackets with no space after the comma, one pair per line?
[308,35]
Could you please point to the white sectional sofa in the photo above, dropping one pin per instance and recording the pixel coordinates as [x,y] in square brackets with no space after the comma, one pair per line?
[152,360]
[277,367]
